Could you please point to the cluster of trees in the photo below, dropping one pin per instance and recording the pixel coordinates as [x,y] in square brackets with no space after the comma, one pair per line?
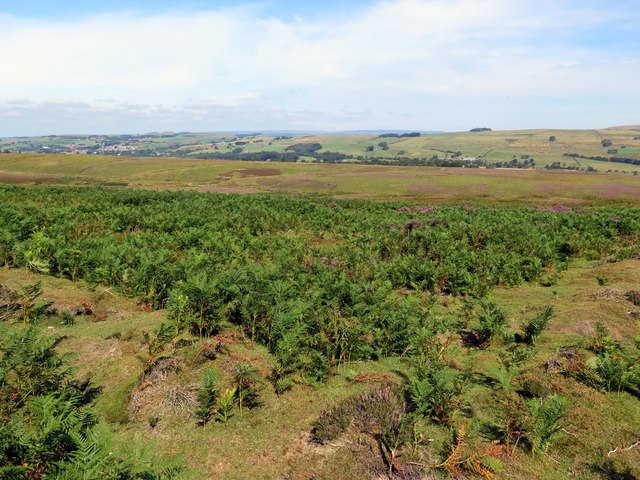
[513,163]
[599,158]
[238,154]
[434,161]
[564,166]
[454,161]
[305,148]
[400,135]
[291,154]
[215,259]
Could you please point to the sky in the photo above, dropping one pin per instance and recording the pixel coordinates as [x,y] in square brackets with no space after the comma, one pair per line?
[139,66]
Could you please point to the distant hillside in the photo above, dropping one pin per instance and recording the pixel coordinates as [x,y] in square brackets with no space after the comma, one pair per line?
[606,150]
[624,127]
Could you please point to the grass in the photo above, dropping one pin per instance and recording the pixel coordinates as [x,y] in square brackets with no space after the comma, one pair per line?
[629,151]
[420,184]
[272,441]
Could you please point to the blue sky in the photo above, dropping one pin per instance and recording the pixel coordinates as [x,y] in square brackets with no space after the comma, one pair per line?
[136,66]
[48,9]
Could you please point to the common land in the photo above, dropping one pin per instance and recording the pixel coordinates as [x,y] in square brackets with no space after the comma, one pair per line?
[342,321]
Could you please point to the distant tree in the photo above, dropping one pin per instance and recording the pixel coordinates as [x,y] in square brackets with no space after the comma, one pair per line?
[552,138]
[606,143]
[304,148]
[399,135]
[480,129]
[332,157]
[369,148]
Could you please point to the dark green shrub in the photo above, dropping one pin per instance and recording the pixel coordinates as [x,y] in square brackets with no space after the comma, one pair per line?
[435,393]
[492,321]
[534,327]
[546,419]
[618,374]
[245,381]
[47,428]
[207,398]
[29,366]
[67,318]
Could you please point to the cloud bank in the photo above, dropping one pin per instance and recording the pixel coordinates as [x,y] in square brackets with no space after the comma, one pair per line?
[429,64]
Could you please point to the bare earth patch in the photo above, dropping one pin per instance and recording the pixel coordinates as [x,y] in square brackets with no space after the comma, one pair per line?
[18,178]
[258,172]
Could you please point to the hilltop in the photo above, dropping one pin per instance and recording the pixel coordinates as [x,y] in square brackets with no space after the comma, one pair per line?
[624,127]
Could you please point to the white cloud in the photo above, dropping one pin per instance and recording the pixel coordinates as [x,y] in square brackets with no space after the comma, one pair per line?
[426,63]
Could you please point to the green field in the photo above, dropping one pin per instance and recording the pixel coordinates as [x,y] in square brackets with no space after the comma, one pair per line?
[629,151]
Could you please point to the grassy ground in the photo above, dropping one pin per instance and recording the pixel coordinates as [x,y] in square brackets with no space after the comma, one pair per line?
[423,184]
[272,441]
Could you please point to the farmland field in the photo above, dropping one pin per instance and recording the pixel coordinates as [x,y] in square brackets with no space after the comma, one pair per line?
[630,151]
[545,148]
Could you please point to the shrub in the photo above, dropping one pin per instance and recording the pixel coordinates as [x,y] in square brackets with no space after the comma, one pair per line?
[436,393]
[47,428]
[618,373]
[602,341]
[29,367]
[207,398]
[378,412]
[225,403]
[534,327]
[245,380]
[67,318]
[545,422]
[492,320]
[634,297]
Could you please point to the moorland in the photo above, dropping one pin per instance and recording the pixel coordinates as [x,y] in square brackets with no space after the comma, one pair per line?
[338,320]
